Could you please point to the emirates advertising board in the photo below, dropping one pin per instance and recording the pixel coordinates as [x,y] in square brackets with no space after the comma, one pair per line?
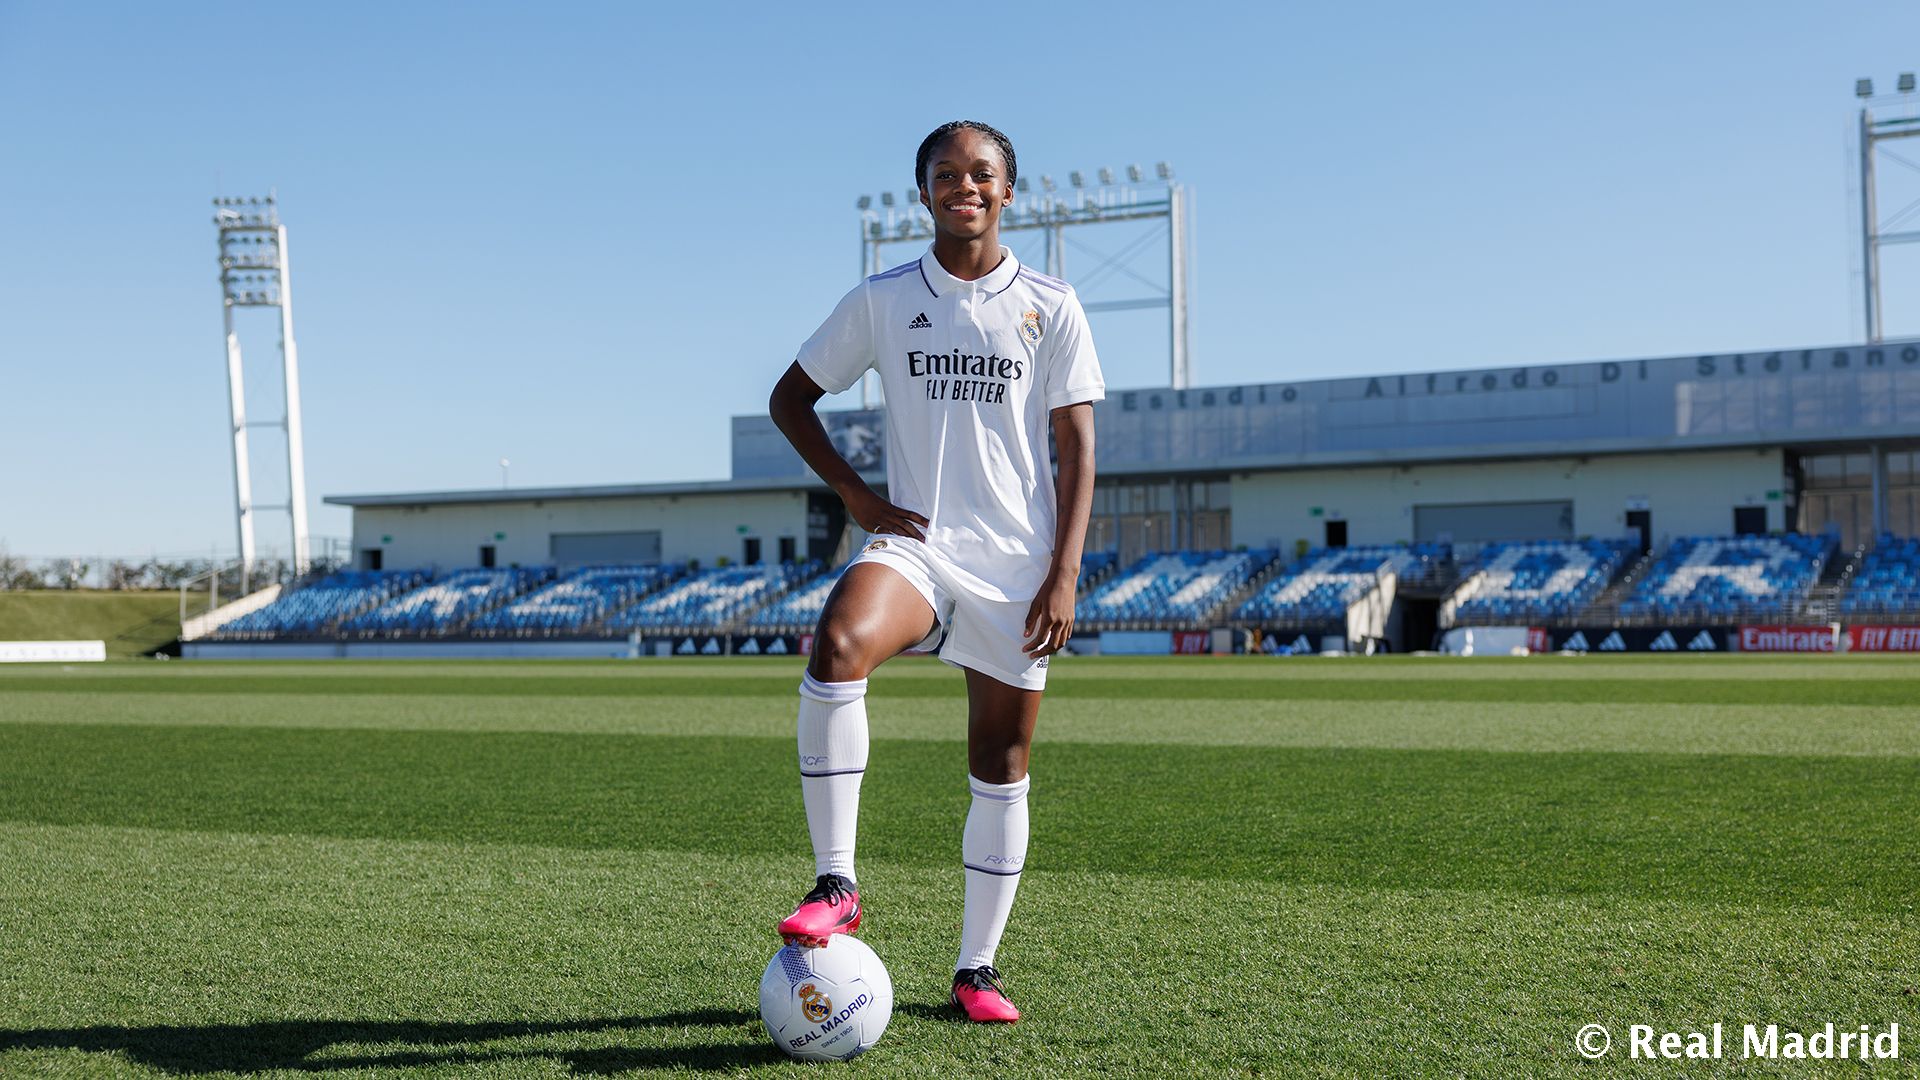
[1752,638]
[1820,639]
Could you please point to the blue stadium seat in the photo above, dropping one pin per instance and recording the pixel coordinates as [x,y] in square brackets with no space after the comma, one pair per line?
[708,599]
[1724,578]
[316,608]
[1538,579]
[1176,587]
[1323,584]
[1887,581]
[448,603]
[575,602]
[799,610]
[1095,565]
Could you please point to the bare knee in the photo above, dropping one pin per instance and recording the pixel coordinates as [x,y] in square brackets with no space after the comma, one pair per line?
[840,653]
[997,762]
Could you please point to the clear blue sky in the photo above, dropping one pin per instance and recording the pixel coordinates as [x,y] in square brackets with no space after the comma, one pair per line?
[582,236]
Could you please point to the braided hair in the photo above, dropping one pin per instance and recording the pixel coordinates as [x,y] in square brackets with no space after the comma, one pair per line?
[940,134]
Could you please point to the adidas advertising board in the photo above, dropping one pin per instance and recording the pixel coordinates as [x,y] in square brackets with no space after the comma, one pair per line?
[723,645]
[1624,639]
[711,644]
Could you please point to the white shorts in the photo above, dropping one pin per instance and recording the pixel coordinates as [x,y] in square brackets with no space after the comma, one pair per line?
[970,631]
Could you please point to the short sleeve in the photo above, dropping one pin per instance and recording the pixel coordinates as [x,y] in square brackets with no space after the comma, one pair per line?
[1073,369]
[842,349]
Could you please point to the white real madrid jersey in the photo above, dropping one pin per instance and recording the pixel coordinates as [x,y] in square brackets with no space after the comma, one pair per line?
[971,370]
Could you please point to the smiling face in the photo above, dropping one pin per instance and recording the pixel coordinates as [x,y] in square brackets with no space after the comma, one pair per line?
[966,185]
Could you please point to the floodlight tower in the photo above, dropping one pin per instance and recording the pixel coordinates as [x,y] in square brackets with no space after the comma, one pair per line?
[1873,232]
[1109,201]
[254,273]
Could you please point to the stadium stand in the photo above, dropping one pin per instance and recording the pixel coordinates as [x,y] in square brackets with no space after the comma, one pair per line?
[1178,587]
[1095,566]
[1703,579]
[799,610]
[1426,565]
[1533,581]
[575,603]
[710,598]
[446,605]
[319,607]
[1887,580]
[1323,584]
[1724,578]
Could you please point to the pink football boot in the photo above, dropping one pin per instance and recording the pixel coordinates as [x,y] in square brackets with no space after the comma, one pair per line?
[978,994]
[833,907]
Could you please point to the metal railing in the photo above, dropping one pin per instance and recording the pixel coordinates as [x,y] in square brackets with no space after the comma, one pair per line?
[211,578]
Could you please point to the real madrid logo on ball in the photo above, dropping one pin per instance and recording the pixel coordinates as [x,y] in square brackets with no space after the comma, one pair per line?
[1030,327]
[815,1004]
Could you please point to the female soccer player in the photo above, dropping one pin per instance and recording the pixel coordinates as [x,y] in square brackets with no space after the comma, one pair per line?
[975,551]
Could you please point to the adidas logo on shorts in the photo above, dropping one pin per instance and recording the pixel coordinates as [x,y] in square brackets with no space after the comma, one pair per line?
[920,322]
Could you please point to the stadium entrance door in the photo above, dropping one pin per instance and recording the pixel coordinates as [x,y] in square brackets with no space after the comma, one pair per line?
[1641,521]
[1419,621]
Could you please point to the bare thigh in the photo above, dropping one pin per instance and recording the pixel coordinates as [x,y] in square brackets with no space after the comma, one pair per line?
[871,615]
[1000,722]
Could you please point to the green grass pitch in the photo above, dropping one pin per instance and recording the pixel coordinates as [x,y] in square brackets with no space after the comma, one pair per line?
[1240,867]
[129,623]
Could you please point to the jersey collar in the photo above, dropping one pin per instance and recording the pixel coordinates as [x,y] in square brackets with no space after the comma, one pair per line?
[940,283]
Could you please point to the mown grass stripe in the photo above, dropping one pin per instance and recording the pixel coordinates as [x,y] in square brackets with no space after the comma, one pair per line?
[1875,731]
[1722,828]
[1402,686]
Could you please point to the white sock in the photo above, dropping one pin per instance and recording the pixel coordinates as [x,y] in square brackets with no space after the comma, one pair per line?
[993,849]
[833,757]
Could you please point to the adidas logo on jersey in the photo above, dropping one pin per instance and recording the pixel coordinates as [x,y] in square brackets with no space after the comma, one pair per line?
[920,322]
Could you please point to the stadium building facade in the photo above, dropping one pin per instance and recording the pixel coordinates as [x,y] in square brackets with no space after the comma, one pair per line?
[1795,440]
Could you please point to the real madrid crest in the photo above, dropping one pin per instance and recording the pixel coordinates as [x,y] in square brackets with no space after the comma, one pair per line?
[816,1005]
[1030,327]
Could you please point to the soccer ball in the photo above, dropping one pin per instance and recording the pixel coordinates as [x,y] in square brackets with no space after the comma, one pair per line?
[826,1004]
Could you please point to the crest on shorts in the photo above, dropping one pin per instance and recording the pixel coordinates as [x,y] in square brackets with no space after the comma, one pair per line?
[876,545]
[1030,327]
